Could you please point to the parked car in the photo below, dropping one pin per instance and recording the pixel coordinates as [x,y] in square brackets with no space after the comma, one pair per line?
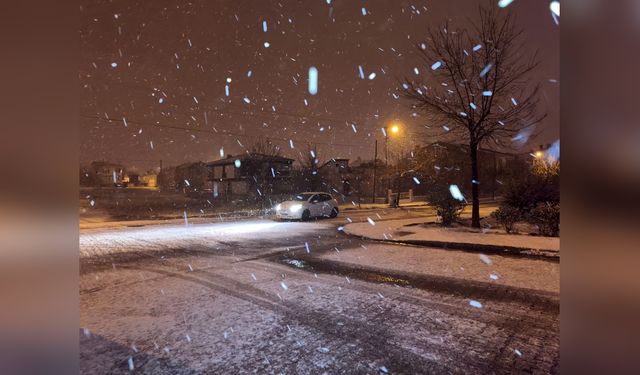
[305,206]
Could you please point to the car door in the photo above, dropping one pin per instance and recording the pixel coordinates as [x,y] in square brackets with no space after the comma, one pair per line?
[315,205]
[326,204]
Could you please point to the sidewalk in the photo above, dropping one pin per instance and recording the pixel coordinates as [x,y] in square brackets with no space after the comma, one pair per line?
[369,206]
[411,231]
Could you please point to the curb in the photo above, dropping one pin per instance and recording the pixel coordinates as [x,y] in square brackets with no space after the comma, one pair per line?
[471,247]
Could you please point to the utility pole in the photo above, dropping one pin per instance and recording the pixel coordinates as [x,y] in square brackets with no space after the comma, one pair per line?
[160,177]
[375,158]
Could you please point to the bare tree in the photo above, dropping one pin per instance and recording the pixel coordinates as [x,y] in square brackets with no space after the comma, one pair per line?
[478,87]
[310,164]
[264,146]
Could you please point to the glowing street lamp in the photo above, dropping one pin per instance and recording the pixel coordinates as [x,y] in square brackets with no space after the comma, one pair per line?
[394,129]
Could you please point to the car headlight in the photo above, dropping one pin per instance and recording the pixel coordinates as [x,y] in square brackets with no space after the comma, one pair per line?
[295,208]
[278,207]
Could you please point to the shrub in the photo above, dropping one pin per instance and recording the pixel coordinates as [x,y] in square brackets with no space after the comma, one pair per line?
[507,216]
[447,207]
[547,217]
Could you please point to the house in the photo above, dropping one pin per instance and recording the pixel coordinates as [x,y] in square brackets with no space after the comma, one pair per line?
[362,179]
[192,177]
[250,174]
[494,166]
[106,173]
[149,179]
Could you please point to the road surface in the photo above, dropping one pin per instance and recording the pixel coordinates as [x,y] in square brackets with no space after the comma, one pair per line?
[271,297]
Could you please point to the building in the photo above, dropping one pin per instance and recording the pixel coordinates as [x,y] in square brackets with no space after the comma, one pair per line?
[104,174]
[494,167]
[362,180]
[150,179]
[250,175]
[192,177]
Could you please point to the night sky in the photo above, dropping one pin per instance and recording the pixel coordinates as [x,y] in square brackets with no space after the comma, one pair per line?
[163,66]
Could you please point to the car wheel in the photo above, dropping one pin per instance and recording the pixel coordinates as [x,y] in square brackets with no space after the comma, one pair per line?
[334,212]
[305,215]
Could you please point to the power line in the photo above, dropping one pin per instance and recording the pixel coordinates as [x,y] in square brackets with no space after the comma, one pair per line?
[222,133]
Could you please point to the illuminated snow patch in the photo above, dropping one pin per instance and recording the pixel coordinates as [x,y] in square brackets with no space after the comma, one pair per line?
[296,263]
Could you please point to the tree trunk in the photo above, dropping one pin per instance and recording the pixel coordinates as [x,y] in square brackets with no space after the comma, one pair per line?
[475,207]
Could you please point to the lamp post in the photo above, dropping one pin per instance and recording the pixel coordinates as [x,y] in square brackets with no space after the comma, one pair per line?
[391,130]
[375,162]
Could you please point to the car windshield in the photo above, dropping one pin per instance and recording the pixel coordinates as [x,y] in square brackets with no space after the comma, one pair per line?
[302,197]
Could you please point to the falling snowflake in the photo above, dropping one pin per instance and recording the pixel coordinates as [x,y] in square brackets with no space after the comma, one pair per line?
[485,259]
[504,3]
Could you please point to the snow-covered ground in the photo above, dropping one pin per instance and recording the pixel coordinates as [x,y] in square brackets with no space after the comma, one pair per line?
[213,313]
[411,229]
[188,235]
[492,269]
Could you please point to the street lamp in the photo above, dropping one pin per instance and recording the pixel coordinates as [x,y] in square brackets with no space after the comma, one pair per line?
[392,129]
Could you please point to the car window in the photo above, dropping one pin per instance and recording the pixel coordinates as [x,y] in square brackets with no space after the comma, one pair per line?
[315,198]
[302,197]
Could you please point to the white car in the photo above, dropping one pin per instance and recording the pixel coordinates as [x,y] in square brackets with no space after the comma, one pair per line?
[305,206]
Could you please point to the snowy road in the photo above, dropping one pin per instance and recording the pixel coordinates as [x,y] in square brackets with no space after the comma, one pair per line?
[271,297]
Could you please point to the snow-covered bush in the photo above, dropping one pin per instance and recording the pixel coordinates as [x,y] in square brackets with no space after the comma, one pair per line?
[447,207]
[507,216]
[547,217]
